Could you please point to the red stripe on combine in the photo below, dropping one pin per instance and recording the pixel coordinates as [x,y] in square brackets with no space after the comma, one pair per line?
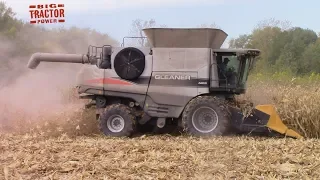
[95,81]
[115,81]
[109,81]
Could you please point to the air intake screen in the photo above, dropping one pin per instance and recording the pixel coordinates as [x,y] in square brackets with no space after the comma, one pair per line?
[129,63]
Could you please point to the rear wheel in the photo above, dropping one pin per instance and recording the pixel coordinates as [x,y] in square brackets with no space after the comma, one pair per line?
[117,120]
[206,116]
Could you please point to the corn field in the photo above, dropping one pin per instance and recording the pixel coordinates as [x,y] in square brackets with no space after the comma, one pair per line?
[296,99]
[67,144]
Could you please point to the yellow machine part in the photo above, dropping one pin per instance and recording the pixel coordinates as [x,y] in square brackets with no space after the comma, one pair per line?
[275,123]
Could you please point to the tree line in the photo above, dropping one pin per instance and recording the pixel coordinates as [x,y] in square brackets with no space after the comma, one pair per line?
[284,48]
[293,50]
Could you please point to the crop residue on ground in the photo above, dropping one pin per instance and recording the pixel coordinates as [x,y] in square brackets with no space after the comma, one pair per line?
[157,157]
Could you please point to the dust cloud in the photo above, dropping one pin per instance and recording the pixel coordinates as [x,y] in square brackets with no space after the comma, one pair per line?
[28,94]
[45,93]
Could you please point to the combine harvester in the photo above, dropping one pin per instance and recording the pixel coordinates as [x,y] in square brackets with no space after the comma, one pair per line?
[183,77]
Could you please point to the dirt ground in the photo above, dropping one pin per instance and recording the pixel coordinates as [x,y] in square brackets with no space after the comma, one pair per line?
[157,157]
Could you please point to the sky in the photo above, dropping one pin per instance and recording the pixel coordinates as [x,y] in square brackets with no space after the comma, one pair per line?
[235,17]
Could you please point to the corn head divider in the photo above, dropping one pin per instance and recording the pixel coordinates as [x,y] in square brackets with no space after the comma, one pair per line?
[182,78]
[263,119]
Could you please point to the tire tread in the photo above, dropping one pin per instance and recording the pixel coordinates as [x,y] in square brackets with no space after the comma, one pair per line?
[119,108]
[223,115]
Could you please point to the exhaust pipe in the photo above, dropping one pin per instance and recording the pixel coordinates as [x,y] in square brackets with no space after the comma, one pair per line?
[36,58]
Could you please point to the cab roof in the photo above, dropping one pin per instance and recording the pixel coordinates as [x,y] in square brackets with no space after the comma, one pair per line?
[233,50]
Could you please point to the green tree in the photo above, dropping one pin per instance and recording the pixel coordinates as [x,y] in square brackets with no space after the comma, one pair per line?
[310,61]
[9,25]
[282,46]
[297,40]
[263,39]
[240,42]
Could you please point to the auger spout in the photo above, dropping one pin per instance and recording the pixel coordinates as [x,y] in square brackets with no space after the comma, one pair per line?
[36,58]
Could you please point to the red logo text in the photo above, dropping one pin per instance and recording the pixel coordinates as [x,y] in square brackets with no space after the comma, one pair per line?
[46,13]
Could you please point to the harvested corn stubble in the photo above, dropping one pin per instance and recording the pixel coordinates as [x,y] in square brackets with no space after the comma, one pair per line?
[157,157]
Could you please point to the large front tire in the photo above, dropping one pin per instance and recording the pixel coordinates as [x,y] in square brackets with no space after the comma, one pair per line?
[117,120]
[206,116]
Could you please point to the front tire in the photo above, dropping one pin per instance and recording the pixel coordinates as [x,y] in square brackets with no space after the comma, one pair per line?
[117,120]
[206,116]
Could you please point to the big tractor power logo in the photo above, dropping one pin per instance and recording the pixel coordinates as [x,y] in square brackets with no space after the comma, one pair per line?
[46,13]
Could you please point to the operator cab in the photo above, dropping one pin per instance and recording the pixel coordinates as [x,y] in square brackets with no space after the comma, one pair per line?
[233,67]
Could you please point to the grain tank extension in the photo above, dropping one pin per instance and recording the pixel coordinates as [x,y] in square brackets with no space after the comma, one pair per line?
[183,76]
